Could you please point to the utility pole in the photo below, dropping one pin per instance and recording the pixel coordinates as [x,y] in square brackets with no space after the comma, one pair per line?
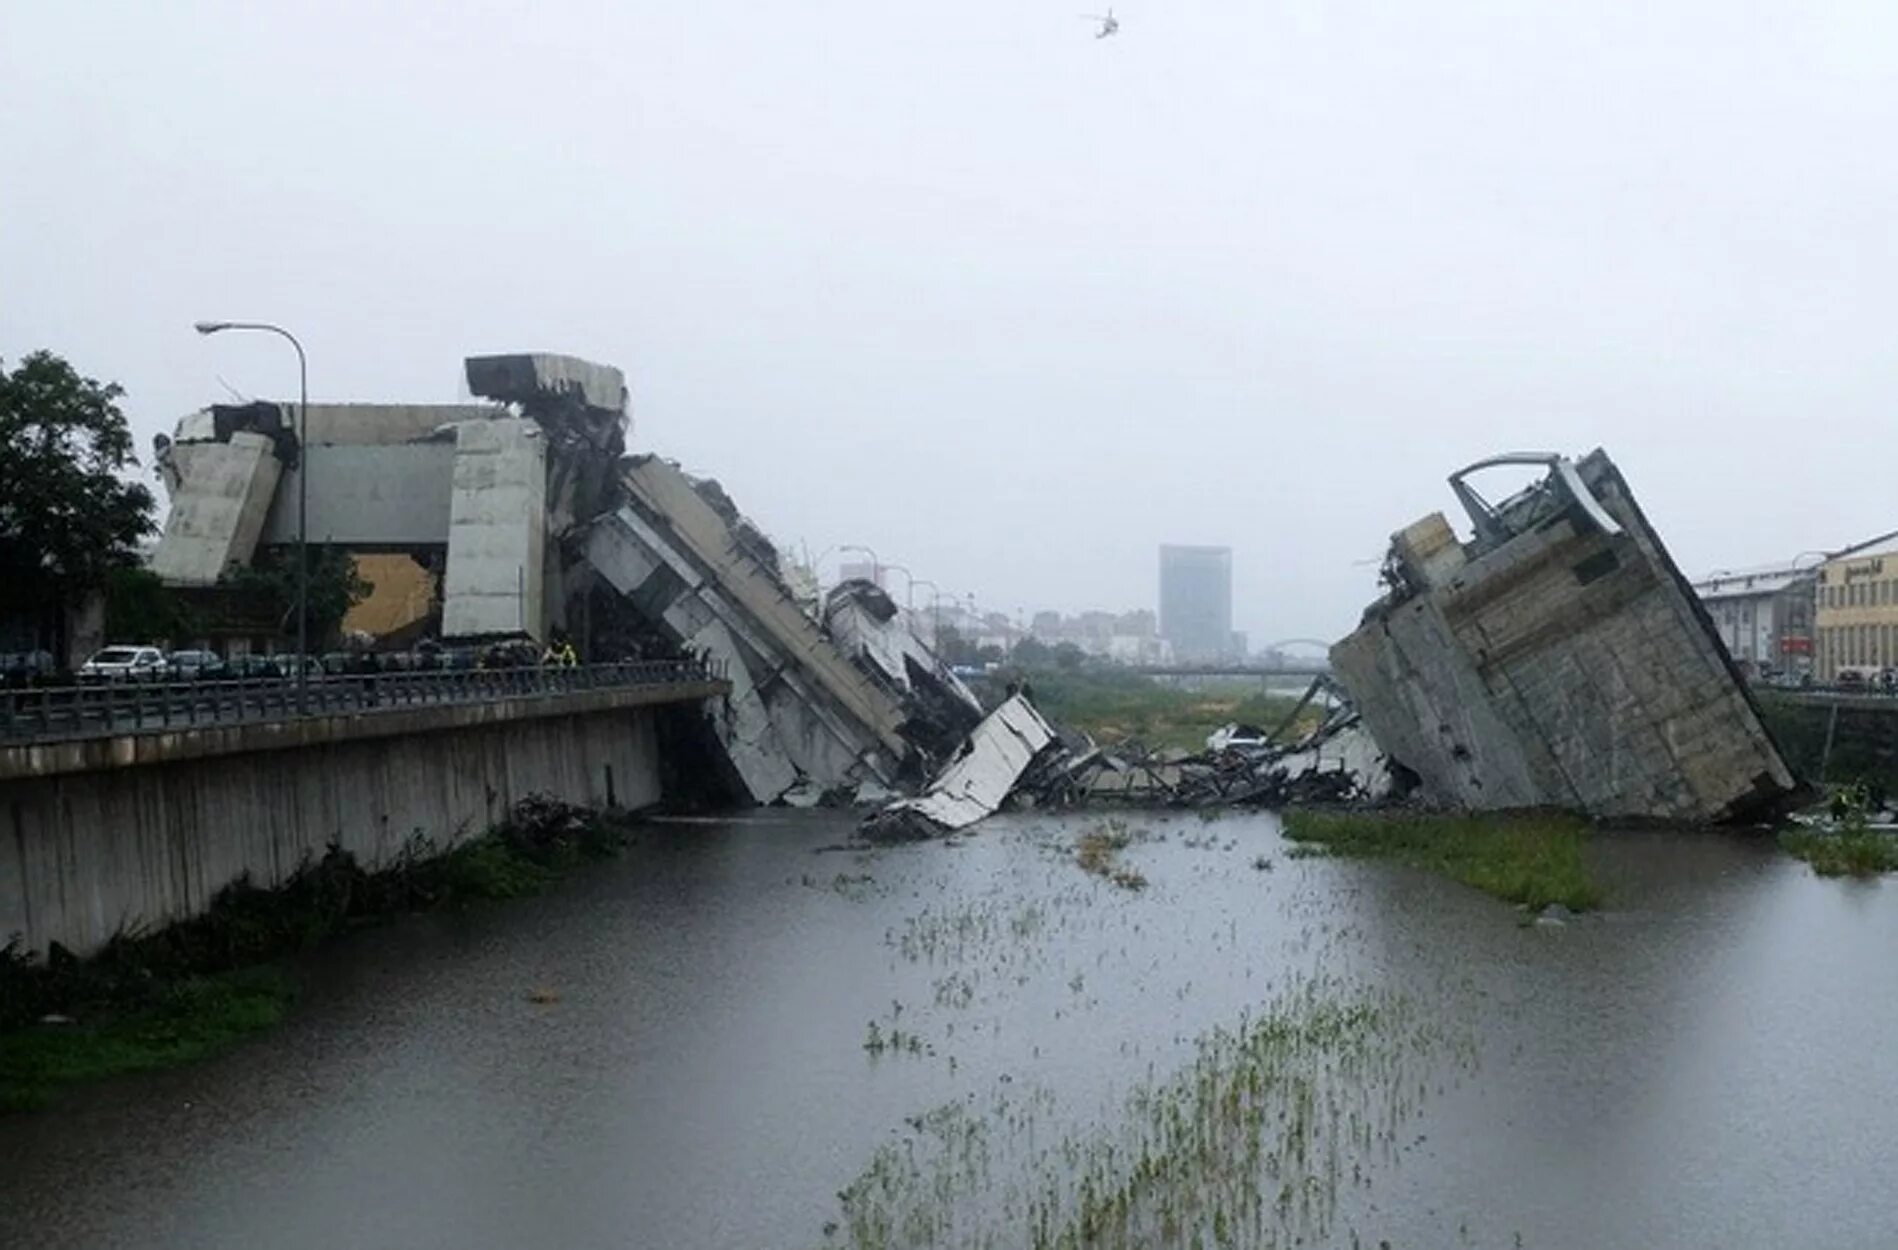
[303,492]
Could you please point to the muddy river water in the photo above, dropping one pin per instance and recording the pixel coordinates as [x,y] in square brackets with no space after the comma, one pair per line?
[756,1042]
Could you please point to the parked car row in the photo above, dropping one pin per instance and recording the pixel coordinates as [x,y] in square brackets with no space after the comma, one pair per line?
[1868,677]
[145,663]
[132,663]
[1848,679]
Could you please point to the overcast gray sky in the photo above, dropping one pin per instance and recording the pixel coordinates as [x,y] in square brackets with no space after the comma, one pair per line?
[1009,304]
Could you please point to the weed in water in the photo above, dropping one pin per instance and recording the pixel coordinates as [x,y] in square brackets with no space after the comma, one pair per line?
[1251,1143]
[1864,854]
[1534,858]
[1098,852]
[1854,849]
[191,1020]
[1850,849]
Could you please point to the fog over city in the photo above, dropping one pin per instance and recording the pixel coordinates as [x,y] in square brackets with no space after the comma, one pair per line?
[1008,303]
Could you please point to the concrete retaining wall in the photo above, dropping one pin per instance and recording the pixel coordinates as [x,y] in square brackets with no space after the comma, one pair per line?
[85,855]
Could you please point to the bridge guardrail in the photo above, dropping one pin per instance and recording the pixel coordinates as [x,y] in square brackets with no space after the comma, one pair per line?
[67,712]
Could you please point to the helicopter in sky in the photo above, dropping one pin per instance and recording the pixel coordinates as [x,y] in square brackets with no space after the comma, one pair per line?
[1110,25]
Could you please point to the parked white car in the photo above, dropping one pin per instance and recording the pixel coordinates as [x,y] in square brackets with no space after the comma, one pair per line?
[124,664]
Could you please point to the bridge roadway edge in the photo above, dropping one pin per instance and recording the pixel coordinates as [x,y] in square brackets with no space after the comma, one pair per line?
[127,834]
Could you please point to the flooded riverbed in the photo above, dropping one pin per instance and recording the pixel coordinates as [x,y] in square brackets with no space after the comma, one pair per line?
[753,1041]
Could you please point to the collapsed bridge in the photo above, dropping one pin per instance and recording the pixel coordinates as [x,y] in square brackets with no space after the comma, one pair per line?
[1558,658]
[521,517]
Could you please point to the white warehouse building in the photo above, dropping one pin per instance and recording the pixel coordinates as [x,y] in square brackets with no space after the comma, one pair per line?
[1763,615]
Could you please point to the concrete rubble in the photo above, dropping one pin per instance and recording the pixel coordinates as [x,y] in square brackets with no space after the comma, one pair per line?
[1558,658]
[981,777]
[1336,761]
[887,643]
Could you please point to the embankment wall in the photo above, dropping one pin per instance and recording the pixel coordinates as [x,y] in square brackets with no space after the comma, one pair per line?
[86,854]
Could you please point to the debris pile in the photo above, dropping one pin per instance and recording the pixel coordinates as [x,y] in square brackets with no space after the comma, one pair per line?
[1334,761]
[883,639]
[1016,758]
[983,775]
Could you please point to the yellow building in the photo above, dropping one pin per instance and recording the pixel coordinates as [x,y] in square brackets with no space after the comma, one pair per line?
[402,595]
[1857,611]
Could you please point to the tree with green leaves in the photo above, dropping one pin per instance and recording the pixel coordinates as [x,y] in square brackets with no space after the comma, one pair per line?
[140,606]
[68,515]
[266,589]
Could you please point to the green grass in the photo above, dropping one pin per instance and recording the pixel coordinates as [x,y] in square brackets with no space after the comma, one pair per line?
[187,991]
[1533,858]
[1852,853]
[489,868]
[1117,706]
[193,1019]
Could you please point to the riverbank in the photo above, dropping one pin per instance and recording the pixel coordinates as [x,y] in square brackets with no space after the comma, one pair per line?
[714,989]
[1532,858]
[199,987]
[1845,853]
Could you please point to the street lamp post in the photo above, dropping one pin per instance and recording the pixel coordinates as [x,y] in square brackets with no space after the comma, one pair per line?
[909,580]
[303,492]
[935,621]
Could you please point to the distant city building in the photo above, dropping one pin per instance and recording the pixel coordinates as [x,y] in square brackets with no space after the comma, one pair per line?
[1764,616]
[1141,623]
[1123,637]
[1131,638]
[861,570]
[1196,601]
[1857,609]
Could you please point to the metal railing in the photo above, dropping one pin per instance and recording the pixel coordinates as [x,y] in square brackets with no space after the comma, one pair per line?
[132,707]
